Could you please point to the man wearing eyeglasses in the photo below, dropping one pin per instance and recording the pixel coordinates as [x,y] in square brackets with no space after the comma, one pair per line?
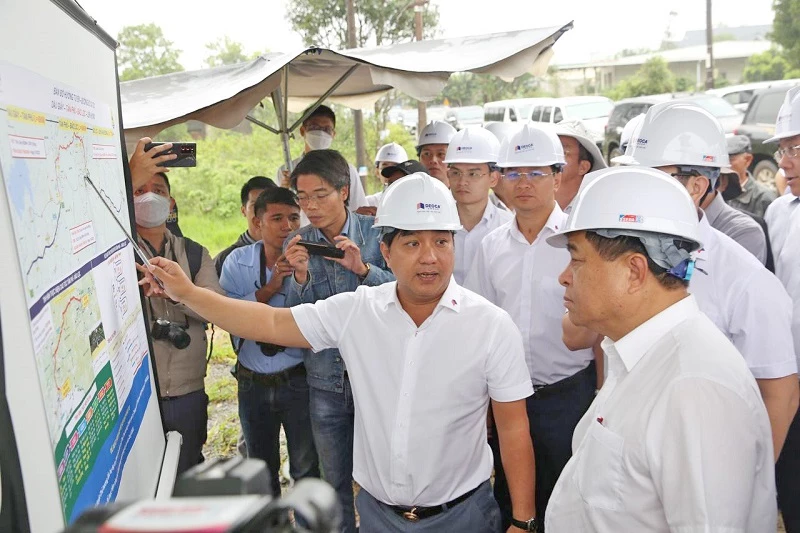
[784,227]
[471,159]
[518,271]
[272,387]
[318,131]
[322,182]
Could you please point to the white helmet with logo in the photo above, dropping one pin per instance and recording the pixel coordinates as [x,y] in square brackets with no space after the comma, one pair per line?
[532,146]
[633,126]
[677,133]
[436,132]
[503,130]
[788,123]
[392,152]
[417,202]
[473,145]
[629,201]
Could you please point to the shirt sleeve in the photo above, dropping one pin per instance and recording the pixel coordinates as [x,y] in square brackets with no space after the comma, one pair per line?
[234,281]
[506,372]
[697,433]
[324,322]
[761,326]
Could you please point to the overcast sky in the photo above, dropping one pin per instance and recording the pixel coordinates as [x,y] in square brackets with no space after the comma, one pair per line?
[599,31]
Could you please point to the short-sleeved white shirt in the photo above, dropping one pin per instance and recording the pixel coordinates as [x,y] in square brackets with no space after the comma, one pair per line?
[677,440]
[783,222]
[421,393]
[467,242]
[522,278]
[746,302]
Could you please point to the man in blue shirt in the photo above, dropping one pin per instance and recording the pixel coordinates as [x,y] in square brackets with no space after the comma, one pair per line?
[272,379]
[322,182]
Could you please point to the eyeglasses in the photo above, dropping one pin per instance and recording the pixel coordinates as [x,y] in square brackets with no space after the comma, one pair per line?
[455,174]
[514,176]
[305,200]
[791,152]
[685,174]
[314,127]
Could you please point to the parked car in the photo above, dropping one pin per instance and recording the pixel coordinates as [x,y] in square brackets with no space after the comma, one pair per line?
[739,96]
[507,110]
[628,108]
[593,111]
[461,117]
[759,124]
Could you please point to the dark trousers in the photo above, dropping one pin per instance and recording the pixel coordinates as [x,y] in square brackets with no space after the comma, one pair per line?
[787,478]
[263,408]
[553,413]
[188,415]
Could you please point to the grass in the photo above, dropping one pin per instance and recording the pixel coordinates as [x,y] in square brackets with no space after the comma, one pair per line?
[214,234]
[223,414]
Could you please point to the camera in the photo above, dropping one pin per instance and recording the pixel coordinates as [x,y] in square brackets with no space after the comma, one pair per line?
[186,152]
[269,349]
[174,333]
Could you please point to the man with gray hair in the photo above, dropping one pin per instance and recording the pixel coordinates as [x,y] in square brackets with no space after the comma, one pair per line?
[755,196]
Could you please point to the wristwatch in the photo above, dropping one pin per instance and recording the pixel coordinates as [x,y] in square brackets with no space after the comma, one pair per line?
[526,525]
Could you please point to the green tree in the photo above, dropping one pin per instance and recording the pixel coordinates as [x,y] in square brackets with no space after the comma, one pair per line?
[144,52]
[767,66]
[225,51]
[654,77]
[786,29]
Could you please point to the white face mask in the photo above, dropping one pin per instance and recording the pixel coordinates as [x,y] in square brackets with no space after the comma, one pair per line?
[151,209]
[318,139]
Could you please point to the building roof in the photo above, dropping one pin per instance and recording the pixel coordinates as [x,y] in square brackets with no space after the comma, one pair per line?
[739,33]
[722,50]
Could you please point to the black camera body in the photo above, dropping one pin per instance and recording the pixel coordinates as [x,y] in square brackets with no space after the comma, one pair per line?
[186,152]
[172,332]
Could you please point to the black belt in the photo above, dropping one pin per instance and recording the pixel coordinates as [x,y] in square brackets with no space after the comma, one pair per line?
[412,514]
[270,380]
[545,391]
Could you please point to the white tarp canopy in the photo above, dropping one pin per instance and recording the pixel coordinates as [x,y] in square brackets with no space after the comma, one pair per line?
[223,96]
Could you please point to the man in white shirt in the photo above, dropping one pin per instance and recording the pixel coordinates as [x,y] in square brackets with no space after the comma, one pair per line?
[518,271]
[678,439]
[420,452]
[318,132]
[747,303]
[472,171]
[783,220]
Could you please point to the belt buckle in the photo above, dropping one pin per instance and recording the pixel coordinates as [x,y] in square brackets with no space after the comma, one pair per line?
[411,515]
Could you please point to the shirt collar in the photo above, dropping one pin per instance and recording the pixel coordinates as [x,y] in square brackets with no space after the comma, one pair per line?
[347,229]
[554,222]
[246,238]
[253,258]
[488,214]
[633,346]
[451,298]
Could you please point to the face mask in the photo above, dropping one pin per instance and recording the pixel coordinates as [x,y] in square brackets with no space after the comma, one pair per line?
[734,188]
[318,140]
[151,209]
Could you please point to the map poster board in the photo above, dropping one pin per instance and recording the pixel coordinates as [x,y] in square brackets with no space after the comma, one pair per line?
[79,278]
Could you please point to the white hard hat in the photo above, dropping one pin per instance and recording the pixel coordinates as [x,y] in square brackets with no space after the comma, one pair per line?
[418,202]
[788,123]
[503,130]
[677,133]
[532,146]
[392,152]
[632,199]
[436,132]
[632,126]
[473,145]
[577,130]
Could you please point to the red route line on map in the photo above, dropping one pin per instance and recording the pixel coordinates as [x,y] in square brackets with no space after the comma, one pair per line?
[60,331]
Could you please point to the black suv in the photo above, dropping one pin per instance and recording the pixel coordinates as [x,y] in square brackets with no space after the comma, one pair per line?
[759,124]
[628,108]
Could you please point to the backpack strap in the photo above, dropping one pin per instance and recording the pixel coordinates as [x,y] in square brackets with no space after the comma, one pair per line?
[194,254]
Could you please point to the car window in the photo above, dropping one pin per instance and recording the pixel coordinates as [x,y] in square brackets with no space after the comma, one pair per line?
[618,115]
[557,115]
[493,114]
[512,115]
[547,114]
[733,98]
[767,107]
[536,116]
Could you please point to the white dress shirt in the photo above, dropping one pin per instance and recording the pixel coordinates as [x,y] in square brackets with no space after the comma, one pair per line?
[374,200]
[467,242]
[522,278]
[421,393]
[677,440]
[783,222]
[739,226]
[746,302]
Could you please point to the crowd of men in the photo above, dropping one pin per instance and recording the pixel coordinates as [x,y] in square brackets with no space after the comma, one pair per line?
[616,348]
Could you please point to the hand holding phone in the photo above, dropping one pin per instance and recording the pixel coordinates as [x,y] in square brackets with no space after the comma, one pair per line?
[186,154]
[322,249]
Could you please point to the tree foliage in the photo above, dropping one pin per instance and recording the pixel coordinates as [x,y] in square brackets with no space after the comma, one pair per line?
[144,52]
[769,65]
[225,51]
[466,88]
[654,77]
[378,22]
[786,30]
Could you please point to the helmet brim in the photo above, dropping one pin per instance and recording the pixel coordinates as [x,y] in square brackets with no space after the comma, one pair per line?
[780,137]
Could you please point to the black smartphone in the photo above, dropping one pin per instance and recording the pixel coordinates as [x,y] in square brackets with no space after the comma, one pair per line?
[186,152]
[322,249]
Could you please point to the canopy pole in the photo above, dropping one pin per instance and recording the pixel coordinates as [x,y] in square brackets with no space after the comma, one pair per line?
[281,116]
[324,96]
[262,124]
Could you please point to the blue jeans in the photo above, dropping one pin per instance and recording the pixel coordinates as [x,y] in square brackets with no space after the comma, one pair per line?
[262,410]
[332,419]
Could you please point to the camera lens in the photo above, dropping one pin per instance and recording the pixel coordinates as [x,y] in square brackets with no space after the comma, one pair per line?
[269,349]
[160,329]
[178,336]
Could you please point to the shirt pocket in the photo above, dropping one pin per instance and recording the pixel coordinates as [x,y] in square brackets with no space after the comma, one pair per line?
[600,468]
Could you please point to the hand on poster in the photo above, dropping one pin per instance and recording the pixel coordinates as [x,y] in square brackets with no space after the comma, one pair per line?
[176,284]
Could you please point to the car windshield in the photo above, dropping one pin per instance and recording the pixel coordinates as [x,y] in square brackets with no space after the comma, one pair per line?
[469,113]
[589,110]
[717,107]
[525,110]
[436,113]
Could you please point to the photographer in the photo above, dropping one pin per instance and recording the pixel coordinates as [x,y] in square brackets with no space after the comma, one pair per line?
[179,338]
